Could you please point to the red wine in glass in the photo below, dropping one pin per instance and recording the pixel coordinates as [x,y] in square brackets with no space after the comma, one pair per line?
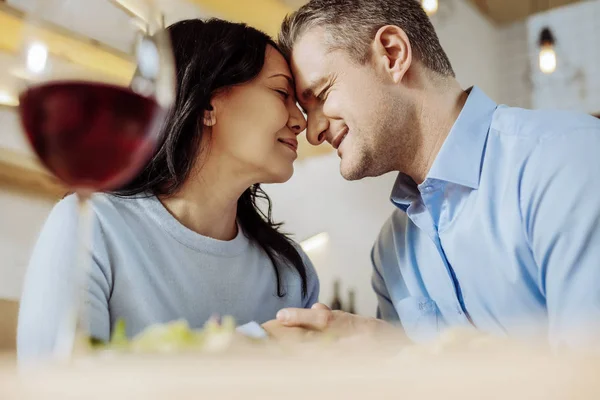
[92,136]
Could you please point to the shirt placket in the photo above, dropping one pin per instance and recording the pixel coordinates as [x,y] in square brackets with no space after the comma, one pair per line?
[423,215]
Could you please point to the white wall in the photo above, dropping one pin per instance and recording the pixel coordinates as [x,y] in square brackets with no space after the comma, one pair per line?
[471,42]
[21,218]
[11,135]
[514,66]
[576,83]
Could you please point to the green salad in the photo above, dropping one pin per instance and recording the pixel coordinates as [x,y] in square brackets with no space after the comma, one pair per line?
[171,337]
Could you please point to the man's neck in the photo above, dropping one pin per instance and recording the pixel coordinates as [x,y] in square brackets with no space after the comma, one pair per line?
[437,112]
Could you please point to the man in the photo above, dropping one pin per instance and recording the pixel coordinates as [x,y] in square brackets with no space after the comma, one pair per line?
[497,223]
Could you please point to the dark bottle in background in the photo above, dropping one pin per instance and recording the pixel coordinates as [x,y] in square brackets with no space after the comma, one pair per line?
[351,301]
[336,303]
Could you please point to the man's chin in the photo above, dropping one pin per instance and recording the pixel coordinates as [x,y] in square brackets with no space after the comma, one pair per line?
[350,171]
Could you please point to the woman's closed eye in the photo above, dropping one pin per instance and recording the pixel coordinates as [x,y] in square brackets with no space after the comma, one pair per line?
[283,93]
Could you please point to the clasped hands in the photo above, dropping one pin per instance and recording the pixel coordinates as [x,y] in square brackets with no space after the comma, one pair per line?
[298,324]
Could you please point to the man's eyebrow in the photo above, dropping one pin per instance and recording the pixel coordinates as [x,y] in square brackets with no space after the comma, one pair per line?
[312,88]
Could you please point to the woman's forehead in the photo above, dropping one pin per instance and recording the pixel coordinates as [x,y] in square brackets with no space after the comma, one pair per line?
[275,63]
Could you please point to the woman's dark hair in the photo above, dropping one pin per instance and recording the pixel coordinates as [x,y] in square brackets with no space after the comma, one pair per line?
[211,56]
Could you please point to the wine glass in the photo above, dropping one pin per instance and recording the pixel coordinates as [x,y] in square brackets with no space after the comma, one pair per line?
[94,80]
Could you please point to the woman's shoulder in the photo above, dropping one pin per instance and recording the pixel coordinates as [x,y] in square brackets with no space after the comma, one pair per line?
[110,214]
[67,210]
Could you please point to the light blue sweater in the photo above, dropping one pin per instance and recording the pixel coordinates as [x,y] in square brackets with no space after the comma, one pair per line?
[147,268]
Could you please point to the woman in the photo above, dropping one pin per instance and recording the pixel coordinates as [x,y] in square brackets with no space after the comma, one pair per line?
[186,239]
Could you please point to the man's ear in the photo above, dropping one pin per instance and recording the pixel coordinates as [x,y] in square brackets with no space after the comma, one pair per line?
[392,52]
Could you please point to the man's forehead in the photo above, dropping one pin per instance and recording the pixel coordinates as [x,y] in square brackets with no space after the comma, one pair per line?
[316,37]
[310,46]
[309,60]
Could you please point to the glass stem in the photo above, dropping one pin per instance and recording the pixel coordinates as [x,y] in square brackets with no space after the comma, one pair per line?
[75,326]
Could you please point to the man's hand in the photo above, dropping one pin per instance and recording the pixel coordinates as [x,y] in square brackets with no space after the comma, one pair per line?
[278,331]
[341,324]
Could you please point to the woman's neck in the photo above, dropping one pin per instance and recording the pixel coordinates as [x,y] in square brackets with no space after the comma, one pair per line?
[207,202]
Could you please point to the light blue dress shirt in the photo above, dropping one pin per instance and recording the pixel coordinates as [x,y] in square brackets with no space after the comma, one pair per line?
[504,233]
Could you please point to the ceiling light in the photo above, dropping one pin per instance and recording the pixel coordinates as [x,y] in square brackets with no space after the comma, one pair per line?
[547,56]
[37,57]
[7,99]
[430,6]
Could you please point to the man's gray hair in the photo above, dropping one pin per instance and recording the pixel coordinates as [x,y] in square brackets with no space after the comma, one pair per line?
[351,25]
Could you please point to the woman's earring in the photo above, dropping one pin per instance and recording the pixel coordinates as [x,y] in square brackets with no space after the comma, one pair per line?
[210,118]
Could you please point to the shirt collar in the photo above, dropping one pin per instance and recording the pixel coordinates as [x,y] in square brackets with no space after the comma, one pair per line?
[459,159]
[405,191]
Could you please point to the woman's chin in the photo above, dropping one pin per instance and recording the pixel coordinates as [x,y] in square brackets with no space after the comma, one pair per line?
[282,175]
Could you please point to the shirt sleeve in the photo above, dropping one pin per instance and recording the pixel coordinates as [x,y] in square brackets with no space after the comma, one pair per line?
[385,307]
[380,261]
[50,286]
[560,200]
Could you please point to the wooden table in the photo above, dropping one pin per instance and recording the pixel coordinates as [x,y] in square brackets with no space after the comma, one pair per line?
[452,373]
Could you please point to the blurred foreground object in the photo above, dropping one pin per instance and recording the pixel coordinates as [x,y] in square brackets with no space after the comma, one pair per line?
[462,365]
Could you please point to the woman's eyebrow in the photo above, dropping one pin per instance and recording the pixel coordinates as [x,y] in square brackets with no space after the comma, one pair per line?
[289,78]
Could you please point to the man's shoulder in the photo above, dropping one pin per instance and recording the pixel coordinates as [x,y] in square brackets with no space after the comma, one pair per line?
[523,142]
[396,223]
[393,231]
[540,125]
[542,142]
